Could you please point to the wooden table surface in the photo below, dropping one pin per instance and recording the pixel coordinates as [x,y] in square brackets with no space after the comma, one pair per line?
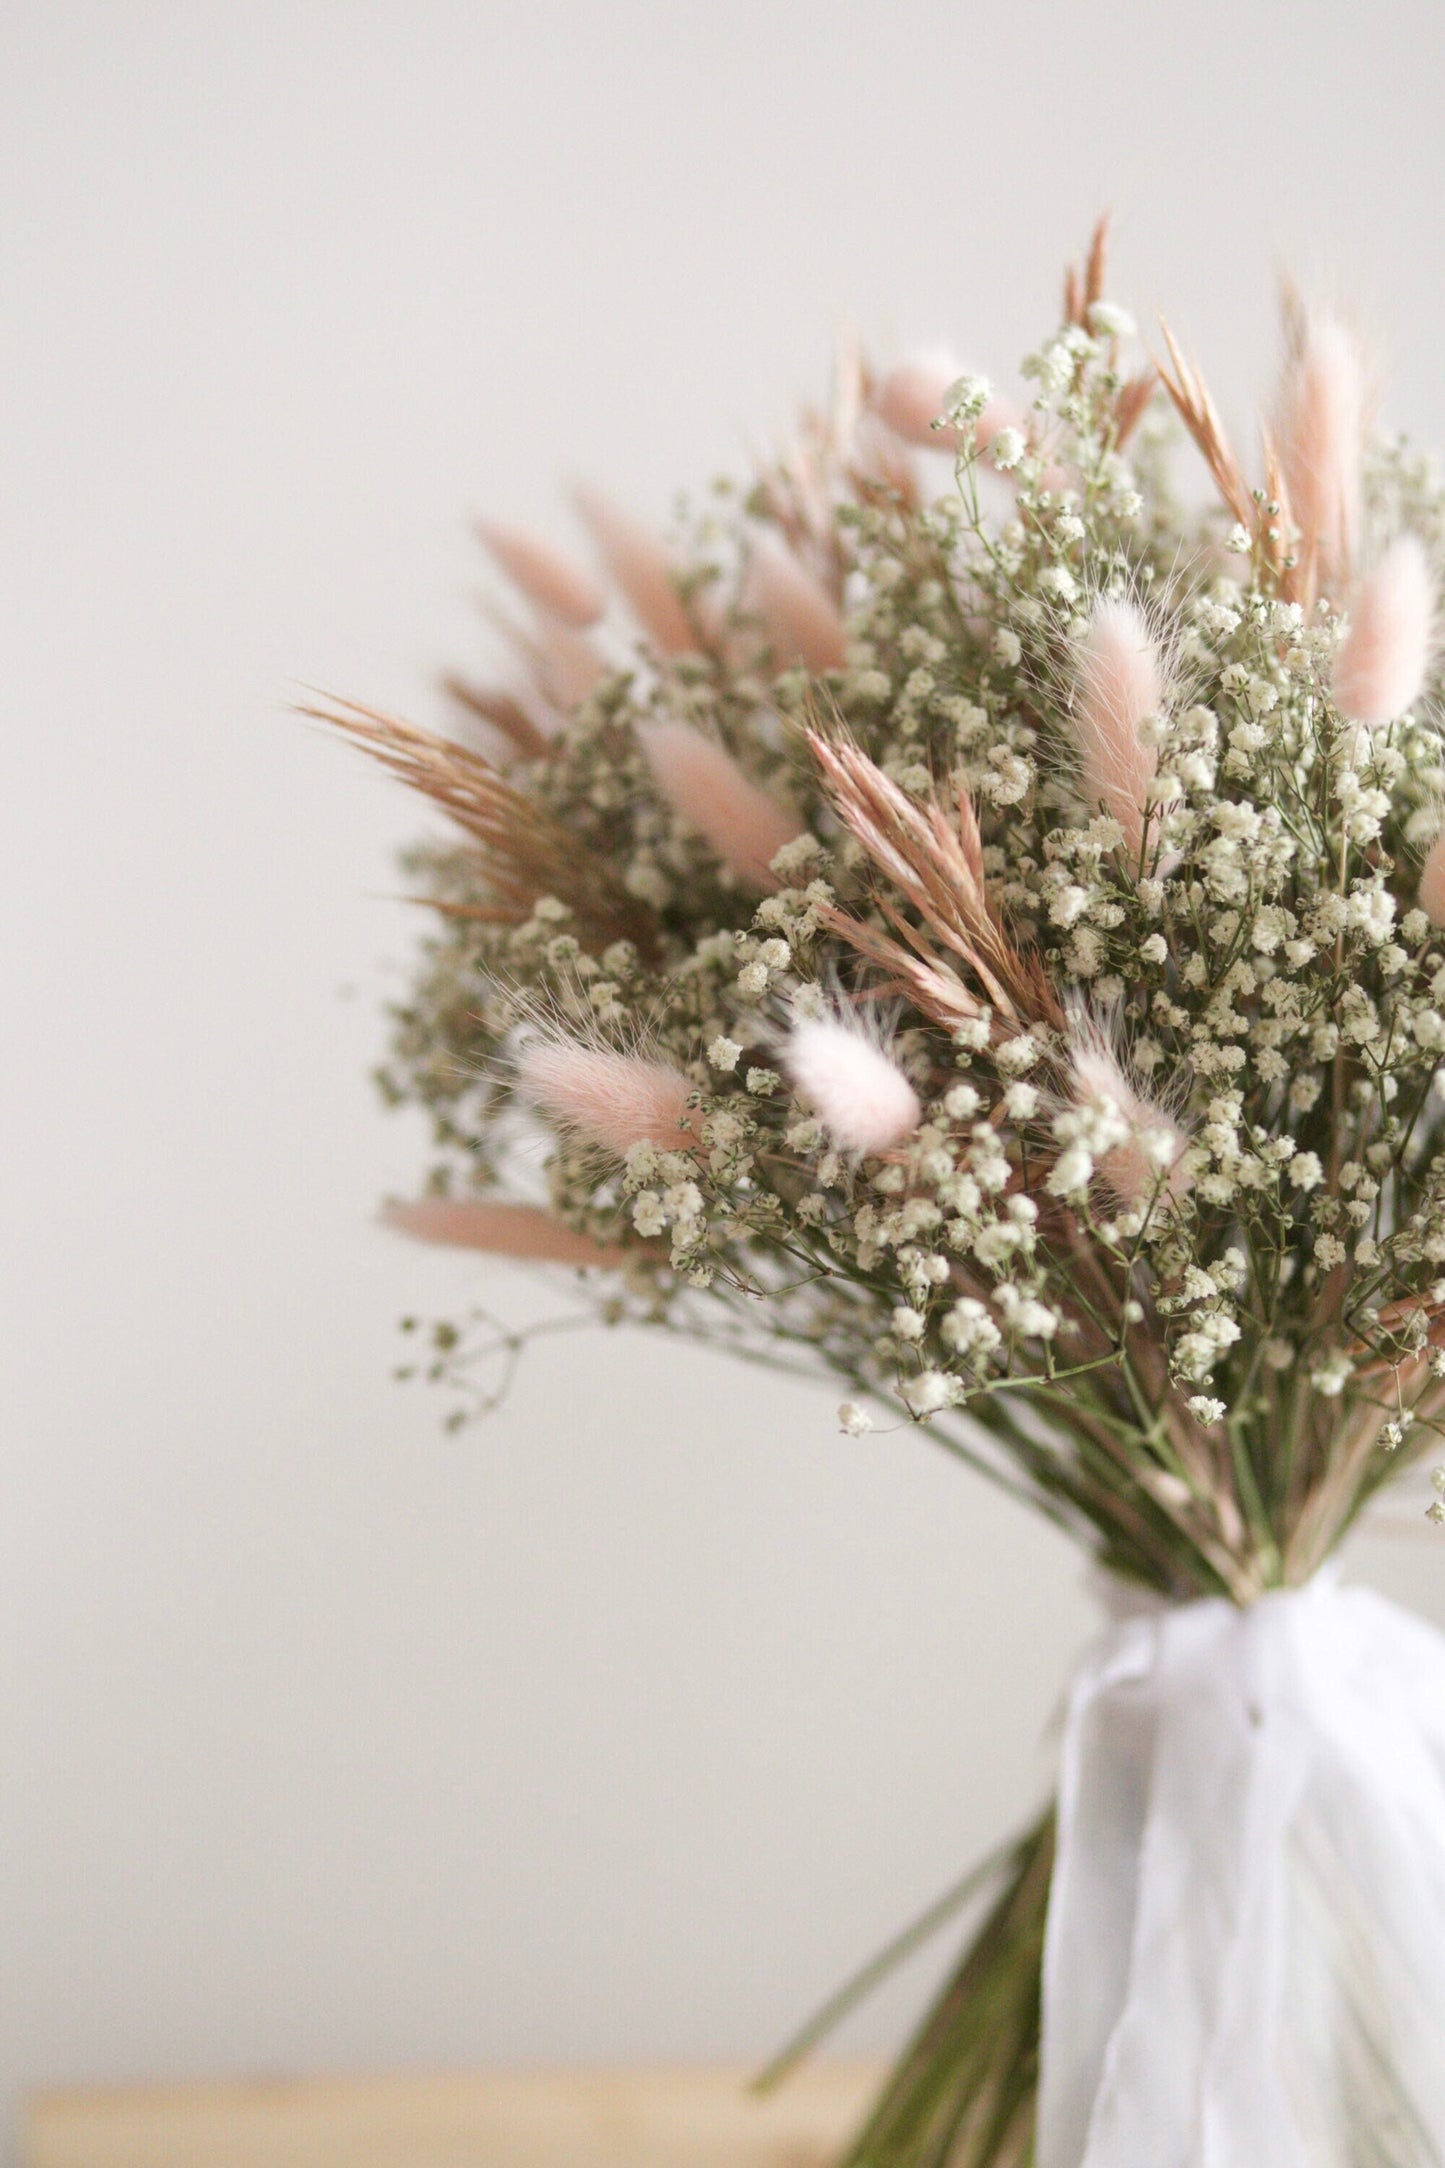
[670,2118]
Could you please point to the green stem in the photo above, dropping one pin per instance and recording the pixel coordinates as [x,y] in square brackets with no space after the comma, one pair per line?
[877,1969]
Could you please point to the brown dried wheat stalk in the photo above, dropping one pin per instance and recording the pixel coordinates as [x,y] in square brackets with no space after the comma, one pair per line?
[525,852]
[935,858]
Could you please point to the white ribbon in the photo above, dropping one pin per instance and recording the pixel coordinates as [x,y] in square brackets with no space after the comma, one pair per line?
[1244,1964]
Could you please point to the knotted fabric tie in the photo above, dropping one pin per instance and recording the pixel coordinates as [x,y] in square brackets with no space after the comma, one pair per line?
[1244,1964]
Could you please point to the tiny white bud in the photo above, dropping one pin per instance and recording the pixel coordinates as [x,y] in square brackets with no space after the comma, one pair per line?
[1110,321]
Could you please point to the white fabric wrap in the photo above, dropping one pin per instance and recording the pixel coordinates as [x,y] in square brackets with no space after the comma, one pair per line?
[1244,1964]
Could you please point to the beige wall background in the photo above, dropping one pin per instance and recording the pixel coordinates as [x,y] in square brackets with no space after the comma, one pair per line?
[623,1726]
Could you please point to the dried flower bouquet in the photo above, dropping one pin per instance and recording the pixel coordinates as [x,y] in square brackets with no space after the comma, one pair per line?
[979,932]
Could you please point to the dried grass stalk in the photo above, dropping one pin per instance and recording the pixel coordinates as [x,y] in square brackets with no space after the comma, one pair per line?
[935,857]
[501,711]
[1084,284]
[525,853]
[1132,405]
[1196,409]
[1270,530]
[932,987]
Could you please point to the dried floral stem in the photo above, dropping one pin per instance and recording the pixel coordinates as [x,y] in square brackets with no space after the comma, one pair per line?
[937,864]
[525,853]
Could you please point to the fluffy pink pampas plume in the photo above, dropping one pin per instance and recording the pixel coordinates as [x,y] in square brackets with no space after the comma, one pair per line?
[911,396]
[709,792]
[639,564]
[545,576]
[1322,414]
[616,1100]
[1120,687]
[1153,1151]
[803,620]
[1380,668]
[507,1230]
[857,1090]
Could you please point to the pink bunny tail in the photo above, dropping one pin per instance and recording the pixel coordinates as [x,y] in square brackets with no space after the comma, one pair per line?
[616,1100]
[545,576]
[1153,1151]
[1431,892]
[639,565]
[1120,687]
[911,397]
[857,1090]
[1381,665]
[1322,415]
[709,793]
[504,1230]
[803,621]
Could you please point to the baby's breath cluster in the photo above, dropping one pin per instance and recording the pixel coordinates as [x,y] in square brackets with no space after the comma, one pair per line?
[979,931]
